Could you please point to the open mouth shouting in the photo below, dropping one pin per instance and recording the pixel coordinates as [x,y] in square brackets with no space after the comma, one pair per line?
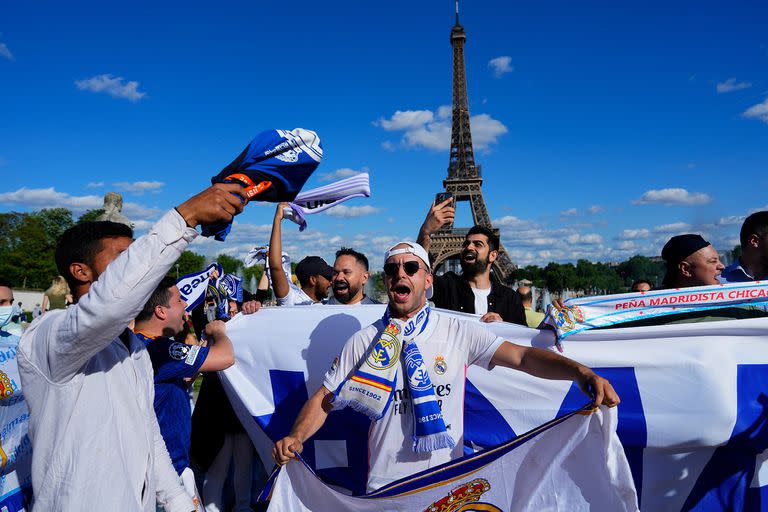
[341,287]
[469,256]
[401,292]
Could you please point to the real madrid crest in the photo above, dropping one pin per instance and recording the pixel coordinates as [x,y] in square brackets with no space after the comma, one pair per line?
[440,365]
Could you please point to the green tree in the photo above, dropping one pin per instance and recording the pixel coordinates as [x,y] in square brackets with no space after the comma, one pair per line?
[229,264]
[641,267]
[26,258]
[90,215]
[187,263]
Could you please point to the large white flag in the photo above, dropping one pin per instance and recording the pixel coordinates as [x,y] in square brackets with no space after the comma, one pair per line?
[693,418]
[573,463]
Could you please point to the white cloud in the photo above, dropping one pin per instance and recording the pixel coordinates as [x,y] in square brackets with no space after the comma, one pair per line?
[673,196]
[634,234]
[5,52]
[731,220]
[139,187]
[569,212]
[510,221]
[95,184]
[352,211]
[590,239]
[387,145]
[731,85]
[673,228]
[406,120]
[501,65]
[425,129]
[759,112]
[595,208]
[51,198]
[340,174]
[626,245]
[114,86]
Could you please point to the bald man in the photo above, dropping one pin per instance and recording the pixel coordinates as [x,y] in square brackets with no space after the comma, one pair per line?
[691,261]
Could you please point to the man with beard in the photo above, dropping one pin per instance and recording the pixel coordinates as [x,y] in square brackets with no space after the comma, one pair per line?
[350,273]
[474,291]
[752,265]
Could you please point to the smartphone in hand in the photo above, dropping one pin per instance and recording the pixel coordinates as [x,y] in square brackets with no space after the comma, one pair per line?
[441,197]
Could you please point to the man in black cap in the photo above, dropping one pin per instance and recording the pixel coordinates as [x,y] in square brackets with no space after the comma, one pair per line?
[313,272]
[691,261]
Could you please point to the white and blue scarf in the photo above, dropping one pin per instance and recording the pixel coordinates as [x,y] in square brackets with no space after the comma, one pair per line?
[371,386]
[328,196]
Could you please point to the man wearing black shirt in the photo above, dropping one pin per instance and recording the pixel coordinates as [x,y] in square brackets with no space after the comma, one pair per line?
[474,291]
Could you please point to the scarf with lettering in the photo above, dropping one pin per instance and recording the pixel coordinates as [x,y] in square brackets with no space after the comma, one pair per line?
[273,168]
[325,197]
[371,386]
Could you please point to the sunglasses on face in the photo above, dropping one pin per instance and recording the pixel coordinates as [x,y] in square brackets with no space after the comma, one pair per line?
[410,267]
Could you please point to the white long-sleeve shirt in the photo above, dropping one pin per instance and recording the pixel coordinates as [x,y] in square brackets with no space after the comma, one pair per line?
[95,439]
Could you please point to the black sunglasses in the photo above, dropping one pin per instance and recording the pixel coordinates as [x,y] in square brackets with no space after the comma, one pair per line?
[410,267]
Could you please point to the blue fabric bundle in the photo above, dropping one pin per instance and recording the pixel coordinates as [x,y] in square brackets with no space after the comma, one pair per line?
[233,285]
[273,168]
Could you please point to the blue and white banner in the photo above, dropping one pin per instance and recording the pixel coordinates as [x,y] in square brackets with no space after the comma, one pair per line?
[233,285]
[15,446]
[192,286]
[585,313]
[542,470]
[693,418]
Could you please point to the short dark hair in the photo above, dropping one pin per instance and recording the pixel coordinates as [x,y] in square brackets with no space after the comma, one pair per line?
[360,257]
[641,281]
[755,224]
[160,297]
[4,282]
[81,242]
[493,238]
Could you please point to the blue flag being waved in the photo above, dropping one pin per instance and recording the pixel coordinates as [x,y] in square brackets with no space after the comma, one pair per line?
[272,168]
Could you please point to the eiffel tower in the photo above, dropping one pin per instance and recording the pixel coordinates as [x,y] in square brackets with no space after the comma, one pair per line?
[464,176]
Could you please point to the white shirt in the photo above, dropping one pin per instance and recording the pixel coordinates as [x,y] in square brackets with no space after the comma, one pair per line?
[95,440]
[296,297]
[448,346]
[481,300]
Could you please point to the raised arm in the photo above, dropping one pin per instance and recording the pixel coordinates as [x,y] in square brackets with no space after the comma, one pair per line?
[437,217]
[221,355]
[311,418]
[549,365]
[280,283]
[62,343]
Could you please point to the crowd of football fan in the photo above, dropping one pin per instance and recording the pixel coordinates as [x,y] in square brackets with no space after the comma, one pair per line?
[107,378]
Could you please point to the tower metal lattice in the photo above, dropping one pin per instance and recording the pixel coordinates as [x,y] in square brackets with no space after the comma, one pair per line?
[464,179]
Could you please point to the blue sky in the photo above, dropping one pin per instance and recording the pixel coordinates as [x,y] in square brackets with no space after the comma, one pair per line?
[602,129]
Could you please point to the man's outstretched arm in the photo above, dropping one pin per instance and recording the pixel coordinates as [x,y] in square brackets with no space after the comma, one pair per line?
[311,418]
[549,365]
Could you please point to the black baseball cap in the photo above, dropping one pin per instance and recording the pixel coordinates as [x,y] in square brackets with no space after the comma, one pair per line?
[313,266]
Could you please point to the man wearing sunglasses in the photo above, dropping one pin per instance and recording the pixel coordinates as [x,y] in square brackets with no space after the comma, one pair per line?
[407,373]
[475,290]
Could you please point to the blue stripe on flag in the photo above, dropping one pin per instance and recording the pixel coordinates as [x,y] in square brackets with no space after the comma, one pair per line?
[484,426]
[632,430]
[725,482]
